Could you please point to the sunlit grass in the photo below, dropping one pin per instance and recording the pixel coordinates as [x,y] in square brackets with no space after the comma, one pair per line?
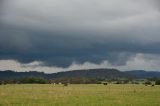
[79,95]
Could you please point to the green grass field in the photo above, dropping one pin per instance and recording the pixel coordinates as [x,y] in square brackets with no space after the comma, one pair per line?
[79,95]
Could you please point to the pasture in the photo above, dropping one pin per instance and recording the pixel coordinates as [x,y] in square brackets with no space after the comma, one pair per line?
[79,95]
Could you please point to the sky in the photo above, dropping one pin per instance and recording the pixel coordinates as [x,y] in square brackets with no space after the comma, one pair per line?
[61,35]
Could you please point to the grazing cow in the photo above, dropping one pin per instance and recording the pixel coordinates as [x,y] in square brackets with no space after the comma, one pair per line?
[152,85]
[105,83]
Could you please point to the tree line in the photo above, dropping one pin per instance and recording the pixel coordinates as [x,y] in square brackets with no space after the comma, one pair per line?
[74,80]
[41,80]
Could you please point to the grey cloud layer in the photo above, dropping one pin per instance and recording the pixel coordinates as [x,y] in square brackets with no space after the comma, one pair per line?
[59,32]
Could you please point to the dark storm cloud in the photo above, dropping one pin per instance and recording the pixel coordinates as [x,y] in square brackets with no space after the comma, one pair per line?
[61,32]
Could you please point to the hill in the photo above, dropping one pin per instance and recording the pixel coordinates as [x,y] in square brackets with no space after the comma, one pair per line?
[92,73]
[9,74]
[143,74]
[89,73]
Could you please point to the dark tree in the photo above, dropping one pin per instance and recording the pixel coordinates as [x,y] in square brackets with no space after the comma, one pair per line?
[157,82]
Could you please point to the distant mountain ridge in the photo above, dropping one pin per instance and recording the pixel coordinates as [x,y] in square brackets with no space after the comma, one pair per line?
[143,74]
[93,73]
[9,74]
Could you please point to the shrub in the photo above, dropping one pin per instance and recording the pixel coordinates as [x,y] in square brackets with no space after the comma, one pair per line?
[147,83]
[1,82]
[98,82]
[118,82]
[65,84]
